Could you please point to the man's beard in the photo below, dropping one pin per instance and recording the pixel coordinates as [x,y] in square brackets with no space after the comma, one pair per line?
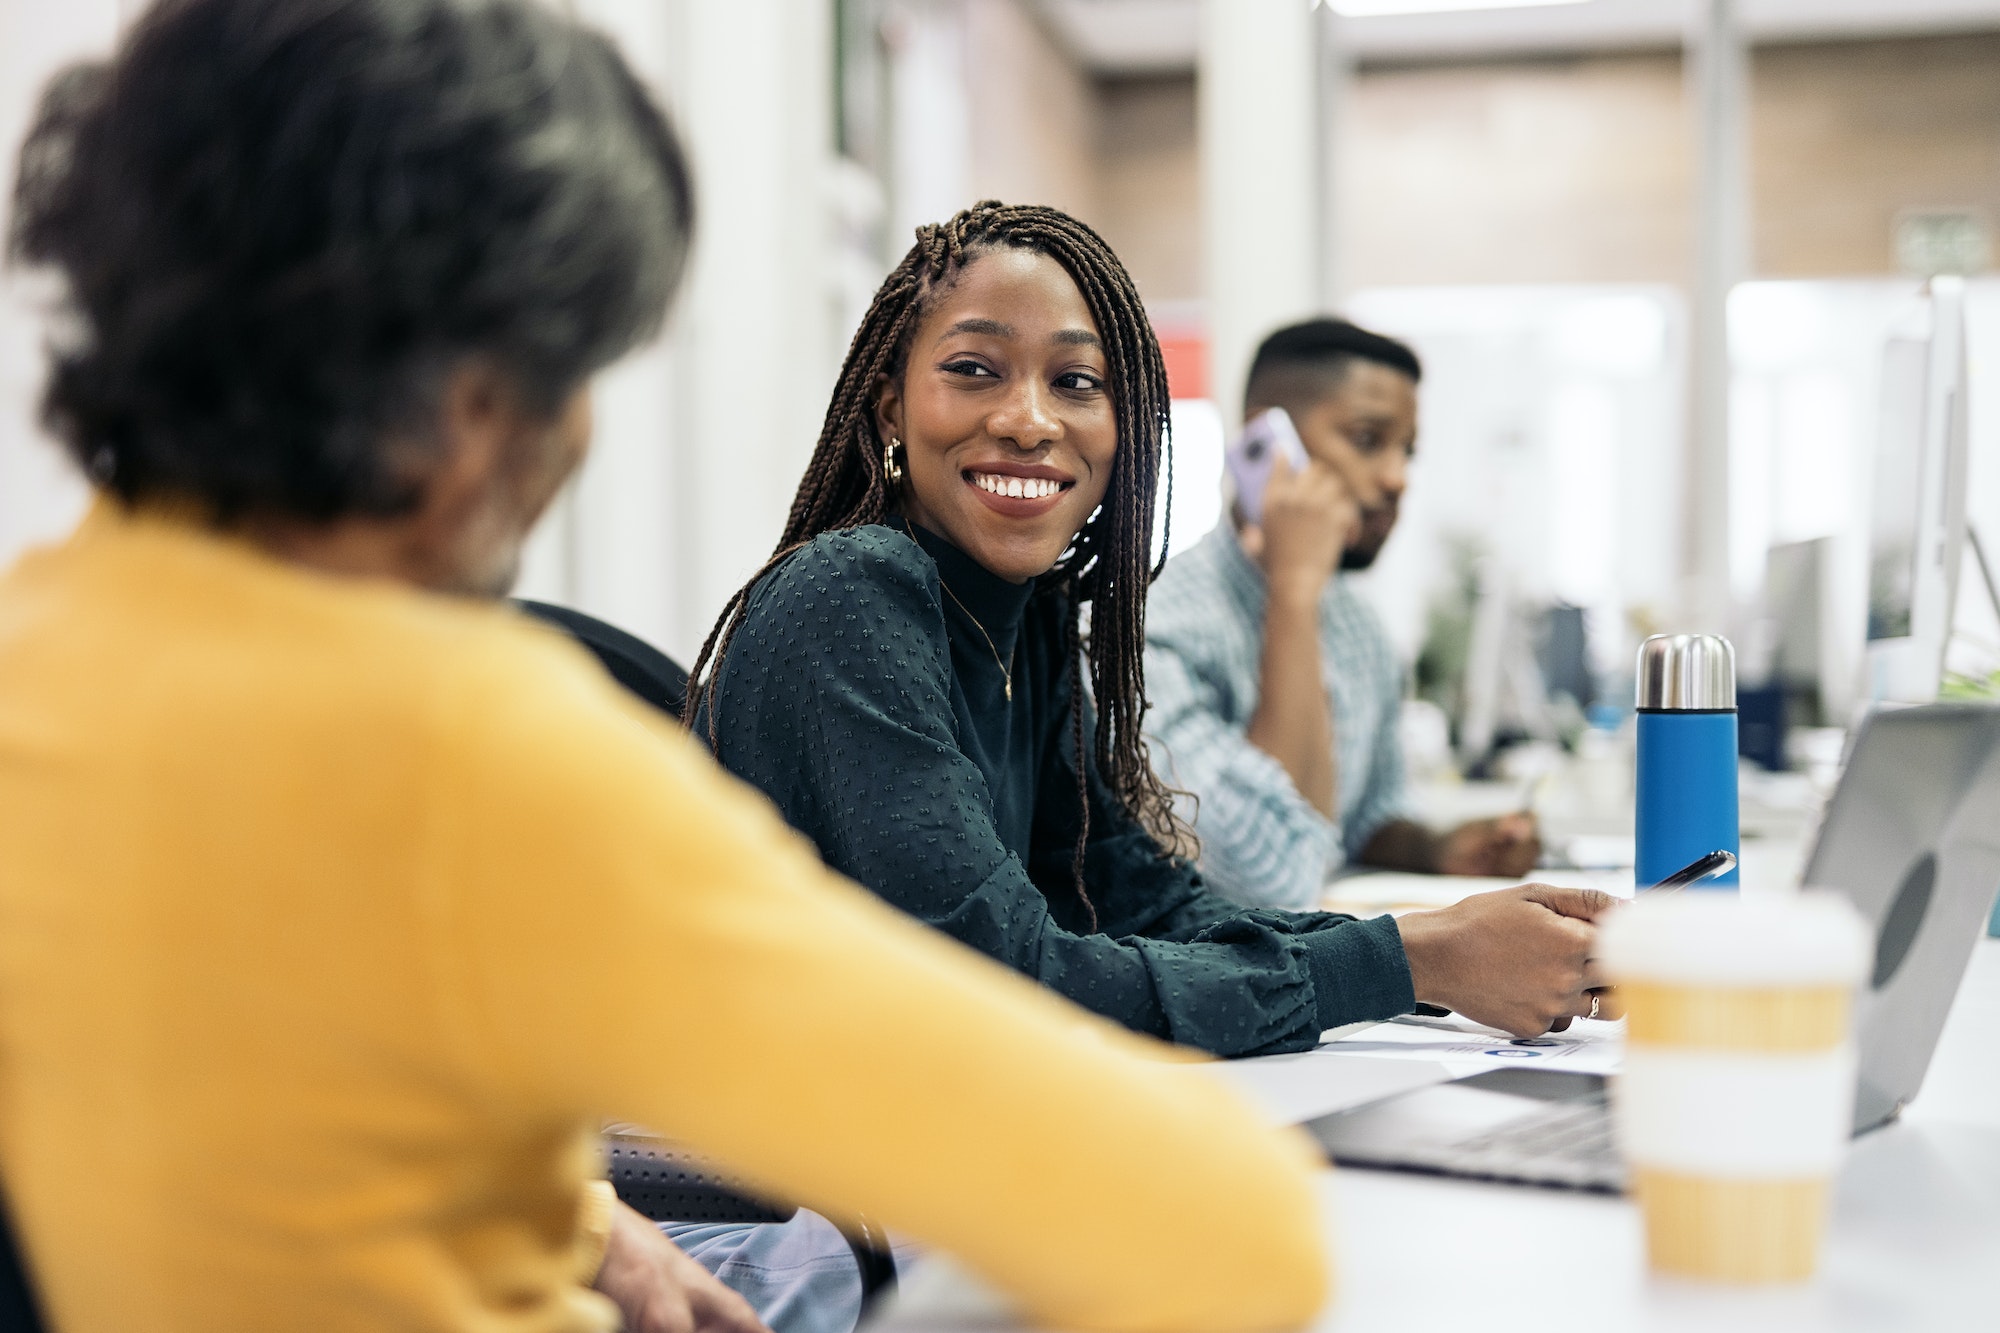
[1372,541]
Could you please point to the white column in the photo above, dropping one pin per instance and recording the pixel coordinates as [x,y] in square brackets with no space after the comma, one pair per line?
[758,343]
[1261,182]
[1718,93]
[930,118]
[702,438]
[1333,74]
[609,546]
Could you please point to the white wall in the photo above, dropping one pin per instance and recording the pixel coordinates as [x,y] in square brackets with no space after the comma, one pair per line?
[41,496]
[1550,435]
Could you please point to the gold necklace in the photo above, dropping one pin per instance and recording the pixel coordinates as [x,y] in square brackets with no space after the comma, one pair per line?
[1006,667]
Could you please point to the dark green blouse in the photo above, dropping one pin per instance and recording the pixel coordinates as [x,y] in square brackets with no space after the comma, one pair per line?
[869,706]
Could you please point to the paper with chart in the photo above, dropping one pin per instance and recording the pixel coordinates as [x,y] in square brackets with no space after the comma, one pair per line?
[1465,1047]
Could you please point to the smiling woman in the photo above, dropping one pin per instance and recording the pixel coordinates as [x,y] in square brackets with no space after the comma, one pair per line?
[857,470]
[1005,413]
[904,678]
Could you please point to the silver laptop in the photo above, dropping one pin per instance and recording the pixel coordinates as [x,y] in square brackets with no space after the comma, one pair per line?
[1911,836]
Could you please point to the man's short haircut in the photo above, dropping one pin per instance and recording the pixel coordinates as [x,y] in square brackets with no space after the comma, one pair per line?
[279,223]
[1302,363]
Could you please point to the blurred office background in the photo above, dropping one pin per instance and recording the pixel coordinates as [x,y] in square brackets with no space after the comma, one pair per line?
[1650,250]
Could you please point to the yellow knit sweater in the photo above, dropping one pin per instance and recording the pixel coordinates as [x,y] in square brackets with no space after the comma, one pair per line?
[334,914]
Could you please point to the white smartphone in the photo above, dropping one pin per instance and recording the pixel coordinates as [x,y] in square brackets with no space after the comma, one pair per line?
[1250,456]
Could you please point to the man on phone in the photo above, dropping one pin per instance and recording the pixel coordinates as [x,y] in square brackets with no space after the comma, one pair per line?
[1274,690]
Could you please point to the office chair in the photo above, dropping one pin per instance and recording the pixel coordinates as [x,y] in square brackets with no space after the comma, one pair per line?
[632,662]
[651,1175]
[17,1298]
[657,1179]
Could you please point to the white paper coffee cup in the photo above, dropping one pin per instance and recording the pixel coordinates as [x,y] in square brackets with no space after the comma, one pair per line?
[1735,1103]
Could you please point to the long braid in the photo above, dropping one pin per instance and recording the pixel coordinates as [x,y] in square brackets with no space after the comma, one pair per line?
[1082,782]
[1109,563]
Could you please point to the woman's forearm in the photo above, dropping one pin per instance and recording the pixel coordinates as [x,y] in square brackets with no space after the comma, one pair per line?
[708,978]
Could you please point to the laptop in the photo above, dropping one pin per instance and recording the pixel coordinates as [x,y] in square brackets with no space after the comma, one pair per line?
[1911,837]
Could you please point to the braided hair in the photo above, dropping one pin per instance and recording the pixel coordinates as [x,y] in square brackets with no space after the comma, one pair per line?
[1108,563]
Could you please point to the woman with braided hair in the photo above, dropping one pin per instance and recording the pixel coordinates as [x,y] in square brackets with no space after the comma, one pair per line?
[902,678]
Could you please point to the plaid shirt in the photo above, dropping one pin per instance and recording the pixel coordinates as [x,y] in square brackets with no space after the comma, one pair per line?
[1261,843]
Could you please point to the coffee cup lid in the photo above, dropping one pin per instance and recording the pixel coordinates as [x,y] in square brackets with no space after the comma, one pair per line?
[1725,939]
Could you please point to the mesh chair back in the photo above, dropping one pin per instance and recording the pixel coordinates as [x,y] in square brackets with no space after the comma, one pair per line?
[666,1184]
[632,662]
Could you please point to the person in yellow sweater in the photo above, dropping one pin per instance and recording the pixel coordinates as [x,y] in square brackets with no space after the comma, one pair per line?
[338,905]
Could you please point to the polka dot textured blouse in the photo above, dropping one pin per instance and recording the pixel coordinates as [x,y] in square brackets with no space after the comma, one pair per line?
[871,708]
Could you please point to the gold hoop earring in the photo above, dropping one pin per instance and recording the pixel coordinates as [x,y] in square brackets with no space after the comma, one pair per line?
[892,469]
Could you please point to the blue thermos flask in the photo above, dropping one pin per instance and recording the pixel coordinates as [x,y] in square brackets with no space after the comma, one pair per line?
[1686,785]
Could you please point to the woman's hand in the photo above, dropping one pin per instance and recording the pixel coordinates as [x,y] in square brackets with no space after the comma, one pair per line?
[1518,960]
[658,1289]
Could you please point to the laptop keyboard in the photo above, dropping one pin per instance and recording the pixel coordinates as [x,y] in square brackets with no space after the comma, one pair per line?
[1567,1143]
[1527,1127]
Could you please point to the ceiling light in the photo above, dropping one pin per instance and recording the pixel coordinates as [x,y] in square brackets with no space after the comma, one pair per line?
[1368,9]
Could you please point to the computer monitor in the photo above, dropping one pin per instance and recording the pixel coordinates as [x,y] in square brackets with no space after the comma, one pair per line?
[1796,575]
[1917,536]
[1562,650]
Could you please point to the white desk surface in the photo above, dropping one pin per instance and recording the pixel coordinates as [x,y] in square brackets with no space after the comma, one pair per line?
[1914,1245]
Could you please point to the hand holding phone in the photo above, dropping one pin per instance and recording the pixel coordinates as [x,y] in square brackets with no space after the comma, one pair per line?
[1251,456]
[1299,513]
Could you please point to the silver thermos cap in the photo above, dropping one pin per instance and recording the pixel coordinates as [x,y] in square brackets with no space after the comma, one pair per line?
[1687,673]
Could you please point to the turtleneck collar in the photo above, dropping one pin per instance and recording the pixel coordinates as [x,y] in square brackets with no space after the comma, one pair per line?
[992,601]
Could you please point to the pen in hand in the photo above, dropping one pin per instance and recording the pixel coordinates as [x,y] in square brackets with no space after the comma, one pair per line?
[1694,872]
